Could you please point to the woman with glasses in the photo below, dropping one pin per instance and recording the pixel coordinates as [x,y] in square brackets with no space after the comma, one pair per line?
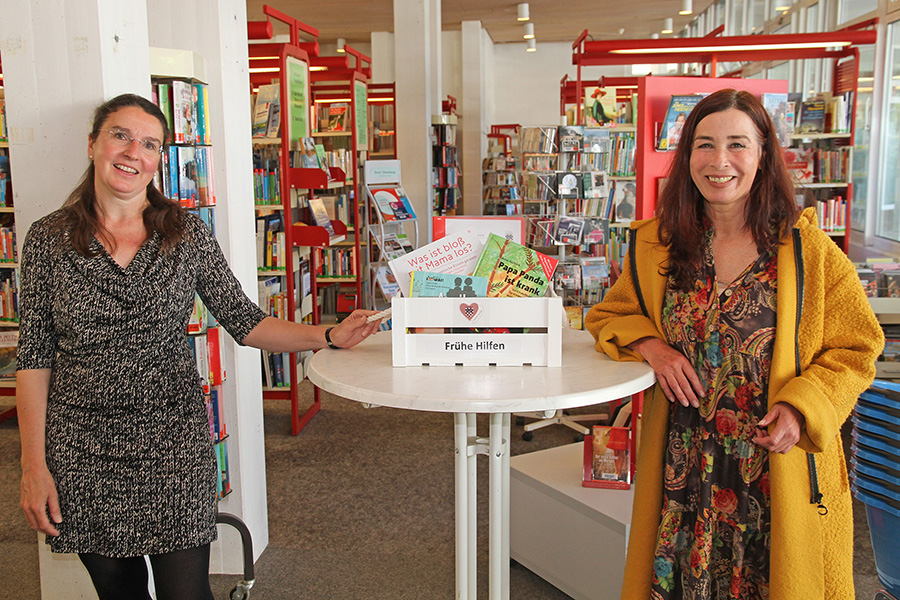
[117,458]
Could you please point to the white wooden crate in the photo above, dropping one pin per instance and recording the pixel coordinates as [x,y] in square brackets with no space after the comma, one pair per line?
[411,347]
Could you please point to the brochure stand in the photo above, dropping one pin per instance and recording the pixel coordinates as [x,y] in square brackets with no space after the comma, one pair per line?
[392,228]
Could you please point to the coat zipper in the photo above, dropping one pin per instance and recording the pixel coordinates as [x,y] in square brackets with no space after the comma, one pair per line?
[815,496]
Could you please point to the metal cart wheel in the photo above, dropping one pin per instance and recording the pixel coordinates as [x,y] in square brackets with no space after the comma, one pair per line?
[239,592]
[528,436]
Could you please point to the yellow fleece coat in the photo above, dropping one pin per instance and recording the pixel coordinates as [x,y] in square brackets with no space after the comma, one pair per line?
[811,555]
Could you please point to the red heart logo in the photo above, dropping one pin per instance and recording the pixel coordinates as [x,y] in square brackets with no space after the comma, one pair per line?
[468,310]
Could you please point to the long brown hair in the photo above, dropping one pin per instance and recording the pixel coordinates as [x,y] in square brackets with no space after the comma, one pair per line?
[81,220]
[769,214]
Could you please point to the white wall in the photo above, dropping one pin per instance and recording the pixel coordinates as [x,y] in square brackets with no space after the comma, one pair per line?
[525,87]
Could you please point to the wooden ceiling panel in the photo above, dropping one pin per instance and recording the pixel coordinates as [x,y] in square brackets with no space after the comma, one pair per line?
[554,20]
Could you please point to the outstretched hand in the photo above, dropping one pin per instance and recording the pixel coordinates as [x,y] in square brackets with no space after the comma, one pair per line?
[354,329]
[675,374]
[788,424]
[38,496]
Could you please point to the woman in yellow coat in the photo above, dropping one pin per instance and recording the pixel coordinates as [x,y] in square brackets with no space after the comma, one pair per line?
[741,486]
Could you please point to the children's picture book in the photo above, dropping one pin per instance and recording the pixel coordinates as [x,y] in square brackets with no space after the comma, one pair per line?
[869,280]
[594,272]
[568,276]
[514,270]
[595,140]
[569,184]
[594,184]
[574,316]
[801,163]
[782,114]
[455,254]
[8,342]
[607,458]
[338,117]
[183,112]
[321,160]
[387,282]
[320,215]
[392,202]
[891,283]
[570,138]
[625,198]
[266,106]
[425,284]
[308,157]
[679,108]
[596,231]
[600,106]
[568,230]
[812,116]
[394,245]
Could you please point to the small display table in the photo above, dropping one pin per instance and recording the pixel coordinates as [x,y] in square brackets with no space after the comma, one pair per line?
[365,374]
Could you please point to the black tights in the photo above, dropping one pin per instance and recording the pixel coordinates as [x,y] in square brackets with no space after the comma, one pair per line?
[179,575]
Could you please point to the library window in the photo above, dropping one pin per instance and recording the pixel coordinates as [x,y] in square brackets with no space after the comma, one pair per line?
[862,136]
[852,9]
[719,12]
[736,18]
[778,7]
[757,16]
[888,224]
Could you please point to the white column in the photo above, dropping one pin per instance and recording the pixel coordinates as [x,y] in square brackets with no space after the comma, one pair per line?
[436,43]
[473,122]
[413,71]
[382,57]
[60,60]
[217,31]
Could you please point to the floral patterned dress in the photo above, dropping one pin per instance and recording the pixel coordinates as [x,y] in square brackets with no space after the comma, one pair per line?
[714,532]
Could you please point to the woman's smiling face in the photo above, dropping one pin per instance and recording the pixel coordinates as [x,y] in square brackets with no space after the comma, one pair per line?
[725,155]
[123,171]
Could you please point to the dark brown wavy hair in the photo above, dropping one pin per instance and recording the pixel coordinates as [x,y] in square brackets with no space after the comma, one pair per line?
[81,220]
[770,211]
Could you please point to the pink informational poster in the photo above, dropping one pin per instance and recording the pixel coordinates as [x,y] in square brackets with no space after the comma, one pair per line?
[509,227]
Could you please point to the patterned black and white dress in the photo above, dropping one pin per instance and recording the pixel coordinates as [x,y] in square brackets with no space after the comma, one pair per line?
[128,440]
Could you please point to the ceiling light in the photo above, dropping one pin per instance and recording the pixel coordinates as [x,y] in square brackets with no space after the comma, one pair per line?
[523,12]
[687,7]
[532,45]
[782,8]
[341,42]
[621,30]
[529,31]
[667,25]
[745,47]
[654,36]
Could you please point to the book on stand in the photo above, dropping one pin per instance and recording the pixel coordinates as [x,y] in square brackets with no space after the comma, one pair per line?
[514,270]
[679,108]
[320,215]
[782,114]
[425,284]
[452,254]
[812,116]
[607,460]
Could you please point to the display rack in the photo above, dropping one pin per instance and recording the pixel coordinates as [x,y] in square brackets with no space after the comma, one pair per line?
[392,229]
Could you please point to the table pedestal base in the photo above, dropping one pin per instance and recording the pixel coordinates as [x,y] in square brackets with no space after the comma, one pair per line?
[467,448]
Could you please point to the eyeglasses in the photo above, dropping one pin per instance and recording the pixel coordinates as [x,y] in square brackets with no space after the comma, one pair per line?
[148,146]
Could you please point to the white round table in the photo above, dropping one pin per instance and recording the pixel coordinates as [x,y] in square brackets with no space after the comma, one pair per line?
[365,374]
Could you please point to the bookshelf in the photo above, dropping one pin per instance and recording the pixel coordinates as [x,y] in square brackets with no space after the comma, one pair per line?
[500,172]
[9,271]
[283,187]
[446,199]
[186,176]
[382,102]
